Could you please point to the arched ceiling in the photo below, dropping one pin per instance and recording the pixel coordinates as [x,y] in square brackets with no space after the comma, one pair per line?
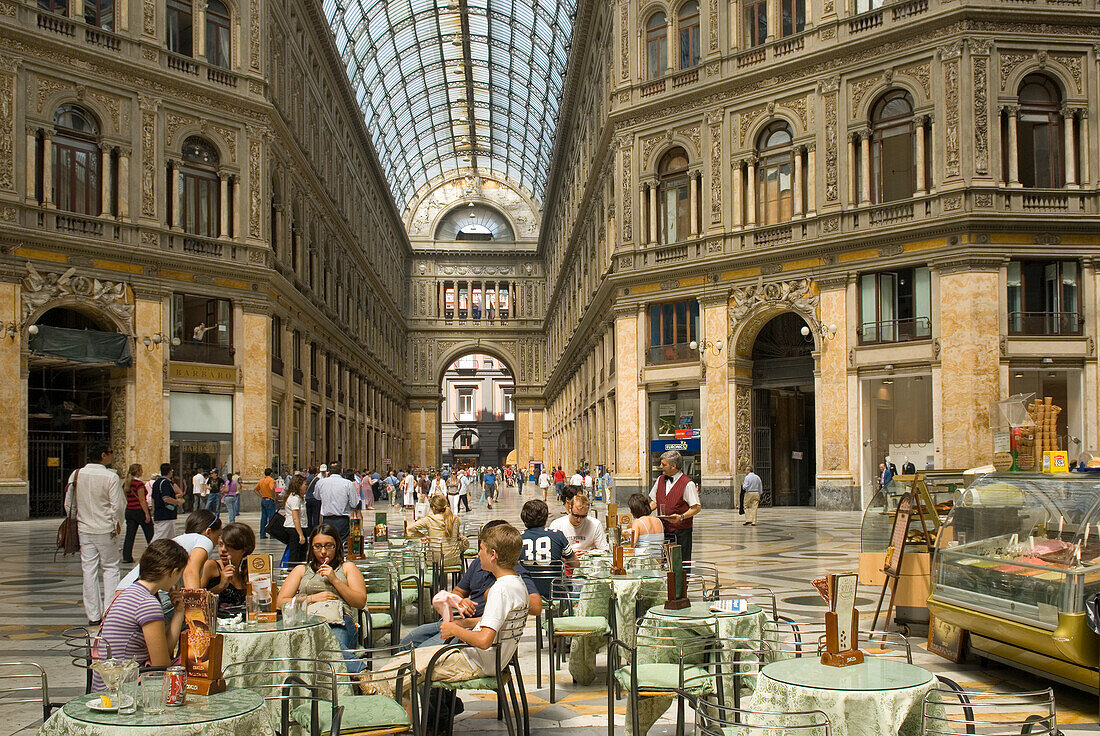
[457,85]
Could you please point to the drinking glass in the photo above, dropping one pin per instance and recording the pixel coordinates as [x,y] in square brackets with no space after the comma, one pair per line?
[128,690]
[152,692]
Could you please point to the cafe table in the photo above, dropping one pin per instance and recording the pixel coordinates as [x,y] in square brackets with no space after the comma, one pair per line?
[697,620]
[310,638]
[235,712]
[878,697]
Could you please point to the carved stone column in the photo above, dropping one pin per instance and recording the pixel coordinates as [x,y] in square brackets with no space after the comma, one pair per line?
[865,167]
[643,215]
[853,178]
[47,168]
[105,181]
[1070,148]
[200,30]
[1086,152]
[223,205]
[1013,146]
[32,169]
[175,195]
[798,181]
[694,202]
[920,155]
[811,179]
[750,190]
[123,183]
[653,213]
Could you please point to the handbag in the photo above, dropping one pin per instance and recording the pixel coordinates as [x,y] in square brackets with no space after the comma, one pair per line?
[68,534]
[331,612]
[276,524]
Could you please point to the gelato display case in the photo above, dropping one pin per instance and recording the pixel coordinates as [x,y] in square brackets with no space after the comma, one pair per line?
[1013,566]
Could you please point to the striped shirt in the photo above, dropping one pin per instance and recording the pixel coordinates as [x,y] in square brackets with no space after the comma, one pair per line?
[122,625]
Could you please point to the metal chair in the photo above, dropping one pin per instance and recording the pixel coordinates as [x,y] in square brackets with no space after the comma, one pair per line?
[507,680]
[445,555]
[543,577]
[472,531]
[16,686]
[572,614]
[714,718]
[755,594]
[948,710]
[305,690]
[84,648]
[388,679]
[701,578]
[382,611]
[409,560]
[787,639]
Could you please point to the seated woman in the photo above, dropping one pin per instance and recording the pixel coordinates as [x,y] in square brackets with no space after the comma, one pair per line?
[647,532]
[327,577]
[200,535]
[227,577]
[134,622]
[441,528]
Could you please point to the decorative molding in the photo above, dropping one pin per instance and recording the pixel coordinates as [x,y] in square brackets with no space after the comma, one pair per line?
[7,128]
[751,306]
[715,122]
[743,425]
[745,120]
[628,194]
[832,186]
[980,76]
[798,106]
[952,157]
[110,297]
[922,73]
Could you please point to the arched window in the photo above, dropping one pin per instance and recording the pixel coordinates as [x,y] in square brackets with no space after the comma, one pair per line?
[76,174]
[199,188]
[893,147]
[656,43]
[688,20]
[674,200]
[100,13]
[775,173]
[178,21]
[217,34]
[1039,133]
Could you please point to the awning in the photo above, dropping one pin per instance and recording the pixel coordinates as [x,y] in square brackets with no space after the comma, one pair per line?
[82,346]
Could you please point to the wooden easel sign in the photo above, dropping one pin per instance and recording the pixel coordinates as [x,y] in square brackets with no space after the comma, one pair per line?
[894,555]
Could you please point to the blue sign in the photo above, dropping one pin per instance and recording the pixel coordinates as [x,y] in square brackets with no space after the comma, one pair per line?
[685,445]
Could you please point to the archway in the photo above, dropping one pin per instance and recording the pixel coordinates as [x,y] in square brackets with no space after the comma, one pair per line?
[478,411]
[783,426]
[69,403]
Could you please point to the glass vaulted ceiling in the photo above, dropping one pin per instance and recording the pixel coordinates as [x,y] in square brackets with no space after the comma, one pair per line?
[447,85]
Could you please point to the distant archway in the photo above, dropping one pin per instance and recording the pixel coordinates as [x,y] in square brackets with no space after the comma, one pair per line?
[477,412]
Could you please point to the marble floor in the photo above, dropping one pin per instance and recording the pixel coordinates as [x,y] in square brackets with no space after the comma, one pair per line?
[40,596]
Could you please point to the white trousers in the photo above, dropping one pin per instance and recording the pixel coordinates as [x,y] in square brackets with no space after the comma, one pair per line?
[164,529]
[452,499]
[752,503]
[98,554]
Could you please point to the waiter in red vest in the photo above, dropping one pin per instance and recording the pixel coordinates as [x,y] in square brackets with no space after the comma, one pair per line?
[677,496]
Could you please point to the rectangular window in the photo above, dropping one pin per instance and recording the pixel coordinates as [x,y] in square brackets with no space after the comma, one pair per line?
[297,348]
[672,326]
[509,404]
[756,22]
[466,404]
[204,326]
[794,16]
[178,25]
[296,438]
[657,54]
[1043,298]
[276,437]
[895,306]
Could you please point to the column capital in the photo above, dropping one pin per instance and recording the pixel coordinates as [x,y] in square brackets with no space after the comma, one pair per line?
[852,135]
[47,133]
[1083,112]
[1068,111]
[32,129]
[125,151]
[1012,110]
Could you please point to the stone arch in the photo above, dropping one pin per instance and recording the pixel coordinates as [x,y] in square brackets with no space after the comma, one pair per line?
[479,202]
[757,127]
[226,155]
[862,113]
[754,306]
[108,304]
[649,9]
[467,347]
[108,125]
[1060,76]
[675,140]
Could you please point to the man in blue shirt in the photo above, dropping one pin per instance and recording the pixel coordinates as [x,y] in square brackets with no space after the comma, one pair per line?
[543,549]
[473,586]
[489,481]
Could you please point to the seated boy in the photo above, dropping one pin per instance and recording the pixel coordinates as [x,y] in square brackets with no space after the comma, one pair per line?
[544,549]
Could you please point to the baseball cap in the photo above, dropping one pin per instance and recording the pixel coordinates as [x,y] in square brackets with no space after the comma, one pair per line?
[323,468]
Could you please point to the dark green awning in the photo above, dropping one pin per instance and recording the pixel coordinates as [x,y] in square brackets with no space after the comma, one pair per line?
[84,346]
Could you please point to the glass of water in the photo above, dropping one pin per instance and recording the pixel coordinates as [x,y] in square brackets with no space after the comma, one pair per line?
[152,692]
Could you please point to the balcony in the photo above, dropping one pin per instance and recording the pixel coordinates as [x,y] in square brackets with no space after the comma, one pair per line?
[191,351]
[1045,323]
[687,76]
[314,383]
[276,365]
[677,353]
[895,330]
[298,376]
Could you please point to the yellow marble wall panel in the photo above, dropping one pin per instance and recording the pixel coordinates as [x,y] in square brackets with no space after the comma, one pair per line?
[13,395]
[716,435]
[147,442]
[251,444]
[626,404]
[969,365]
[832,388]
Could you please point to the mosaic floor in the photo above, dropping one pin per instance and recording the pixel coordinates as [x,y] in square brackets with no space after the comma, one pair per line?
[39,597]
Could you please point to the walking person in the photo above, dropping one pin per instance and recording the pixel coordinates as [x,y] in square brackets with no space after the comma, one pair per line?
[313,504]
[408,490]
[265,489]
[490,482]
[214,495]
[544,483]
[751,488]
[559,481]
[338,499]
[676,499]
[231,496]
[94,496]
[464,483]
[198,491]
[167,499]
[138,512]
[295,517]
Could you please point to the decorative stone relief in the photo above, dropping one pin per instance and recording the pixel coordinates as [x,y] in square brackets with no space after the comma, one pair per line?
[628,197]
[255,176]
[797,106]
[254,36]
[7,127]
[981,114]
[40,289]
[624,41]
[715,122]
[1010,61]
[832,186]
[983,199]
[859,88]
[714,25]
[693,135]
[230,137]
[954,202]
[648,144]
[950,56]
[148,156]
[1072,63]
[111,105]
[922,73]
[743,423]
[47,88]
[746,119]
[149,17]
[762,301]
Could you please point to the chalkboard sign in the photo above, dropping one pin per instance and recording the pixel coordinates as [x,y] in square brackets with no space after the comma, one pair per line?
[896,550]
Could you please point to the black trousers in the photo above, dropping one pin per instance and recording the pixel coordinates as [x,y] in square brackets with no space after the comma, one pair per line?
[681,537]
[313,514]
[464,500]
[134,519]
[342,525]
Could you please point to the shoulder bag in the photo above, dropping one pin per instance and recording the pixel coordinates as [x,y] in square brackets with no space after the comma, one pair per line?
[68,534]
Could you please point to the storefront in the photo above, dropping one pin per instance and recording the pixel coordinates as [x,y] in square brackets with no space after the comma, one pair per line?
[674,424]
[201,428]
[897,425]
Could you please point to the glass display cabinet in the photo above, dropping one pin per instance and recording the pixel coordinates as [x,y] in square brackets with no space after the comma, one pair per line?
[1013,566]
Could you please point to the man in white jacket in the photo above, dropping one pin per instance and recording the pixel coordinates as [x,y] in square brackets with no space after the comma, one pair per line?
[100,506]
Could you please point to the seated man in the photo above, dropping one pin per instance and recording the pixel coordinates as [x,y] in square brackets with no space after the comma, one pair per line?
[472,588]
[583,531]
[544,549]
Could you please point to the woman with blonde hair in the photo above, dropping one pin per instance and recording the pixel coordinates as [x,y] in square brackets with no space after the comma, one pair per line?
[138,512]
[441,528]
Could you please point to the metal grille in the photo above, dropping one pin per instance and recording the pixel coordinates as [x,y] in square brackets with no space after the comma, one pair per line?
[53,456]
[762,441]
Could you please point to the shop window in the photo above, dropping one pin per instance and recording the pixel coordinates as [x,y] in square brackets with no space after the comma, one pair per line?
[100,13]
[204,326]
[1043,298]
[656,36]
[775,173]
[893,148]
[897,422]
[200,194]
[673,422]
[756,22]
[674,196]
[1039,133]
[217,34]
[672,326]
[1065,388]
[793,16]
[178,21]
[895,306]
[76,163]
[688,20]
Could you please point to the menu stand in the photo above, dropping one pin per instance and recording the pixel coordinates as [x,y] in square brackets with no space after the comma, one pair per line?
[677,584]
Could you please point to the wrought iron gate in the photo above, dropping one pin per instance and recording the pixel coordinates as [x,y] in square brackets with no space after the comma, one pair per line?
[762,441]
[52,457]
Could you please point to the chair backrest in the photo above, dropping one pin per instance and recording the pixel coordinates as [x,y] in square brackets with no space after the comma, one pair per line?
[84,648]
[509,635]
[723,666]
[544,576]
[756,594]
[24,682]
[950,711]
[786,639]
[378,574]
[701,578]
[880,644]
[291,683]
[712,718]
[578,596]
[387,670]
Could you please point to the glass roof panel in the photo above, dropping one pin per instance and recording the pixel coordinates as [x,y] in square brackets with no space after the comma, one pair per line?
[406,62]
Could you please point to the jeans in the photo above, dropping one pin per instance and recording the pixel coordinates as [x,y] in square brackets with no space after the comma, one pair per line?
[267,510]
[98,554]
[423,635]
[232,506]
[214,502]
[348,636]
[464,500]
[134,519]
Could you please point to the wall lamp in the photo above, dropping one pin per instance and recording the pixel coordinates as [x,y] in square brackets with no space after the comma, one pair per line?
[827,332]
[149,341]
[712,345]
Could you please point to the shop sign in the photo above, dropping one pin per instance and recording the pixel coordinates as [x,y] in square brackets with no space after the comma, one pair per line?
[684,445]
[686,434]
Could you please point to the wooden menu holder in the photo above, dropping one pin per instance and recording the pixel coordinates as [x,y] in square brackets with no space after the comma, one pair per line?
[204,675]
[617,560]
[833,656]
[677,584]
